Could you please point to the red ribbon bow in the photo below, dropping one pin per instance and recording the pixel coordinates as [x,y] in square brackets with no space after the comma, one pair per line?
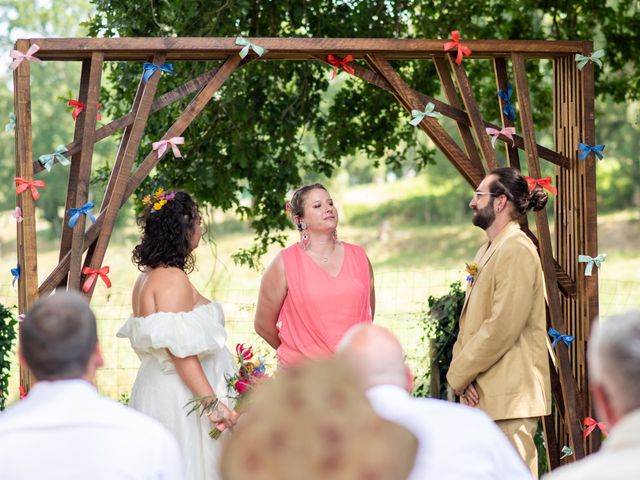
[591,425]
[341,63]
[92,277]
[22,185]
[455,43]
[545,183]
[80,106]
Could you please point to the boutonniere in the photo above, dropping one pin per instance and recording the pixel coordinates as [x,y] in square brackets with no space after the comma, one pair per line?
[472,272]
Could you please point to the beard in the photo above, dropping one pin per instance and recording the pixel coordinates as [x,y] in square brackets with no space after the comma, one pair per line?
[484,217]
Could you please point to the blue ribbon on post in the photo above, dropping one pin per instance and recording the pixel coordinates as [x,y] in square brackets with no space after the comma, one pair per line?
[508,109]
[591,262]
[587,149]
[419,115]
[75,213]
[149,69]
[16,274]
[49,159]
[246,46]
[595,57]
[558,337]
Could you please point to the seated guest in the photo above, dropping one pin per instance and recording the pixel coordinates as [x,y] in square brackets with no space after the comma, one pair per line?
[455,441]
[63,429]
[313,422]
[614,373]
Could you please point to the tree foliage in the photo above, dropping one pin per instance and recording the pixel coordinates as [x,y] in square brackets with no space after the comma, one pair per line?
[251,140]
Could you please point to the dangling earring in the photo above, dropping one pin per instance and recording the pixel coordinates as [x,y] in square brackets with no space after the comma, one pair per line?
[305,239]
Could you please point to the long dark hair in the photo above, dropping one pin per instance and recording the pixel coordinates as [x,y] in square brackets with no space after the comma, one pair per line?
[166,234]
[511,183]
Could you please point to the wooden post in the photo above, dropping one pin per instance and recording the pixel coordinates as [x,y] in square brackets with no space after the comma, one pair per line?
[26,230]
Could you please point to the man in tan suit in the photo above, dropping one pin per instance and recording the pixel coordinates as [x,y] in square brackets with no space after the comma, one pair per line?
[614,372]
[500,362]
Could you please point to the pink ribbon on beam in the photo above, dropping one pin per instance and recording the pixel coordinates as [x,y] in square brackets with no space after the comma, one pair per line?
[92,277]
[163,145]
[18,56]
[22,185]
[507,132]
[591,425]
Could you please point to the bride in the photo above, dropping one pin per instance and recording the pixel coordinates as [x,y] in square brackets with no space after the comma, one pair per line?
[178,334]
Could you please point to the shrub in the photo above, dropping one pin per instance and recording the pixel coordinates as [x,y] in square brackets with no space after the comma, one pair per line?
[7,337]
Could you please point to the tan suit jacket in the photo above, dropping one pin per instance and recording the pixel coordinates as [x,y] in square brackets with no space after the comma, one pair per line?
[617,459]
[502,344]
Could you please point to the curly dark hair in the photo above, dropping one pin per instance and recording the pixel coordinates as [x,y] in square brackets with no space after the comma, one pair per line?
[166,234]
[511,183]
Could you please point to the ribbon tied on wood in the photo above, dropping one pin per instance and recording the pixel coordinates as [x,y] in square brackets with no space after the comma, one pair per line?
[22,185]
[102,272]
[342,63]
[545,183]
[455,43]
[18,57]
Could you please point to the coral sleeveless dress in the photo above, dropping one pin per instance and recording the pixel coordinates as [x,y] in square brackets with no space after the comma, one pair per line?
[319,308]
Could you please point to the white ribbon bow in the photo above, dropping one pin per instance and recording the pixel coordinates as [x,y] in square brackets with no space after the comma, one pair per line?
[508,132]
[248,46]
[18,57]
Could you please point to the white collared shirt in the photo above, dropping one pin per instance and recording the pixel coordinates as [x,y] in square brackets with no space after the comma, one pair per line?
[455,441]
[65,430]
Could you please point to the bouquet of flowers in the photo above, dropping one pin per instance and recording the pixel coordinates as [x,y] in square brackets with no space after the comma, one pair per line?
[250,371]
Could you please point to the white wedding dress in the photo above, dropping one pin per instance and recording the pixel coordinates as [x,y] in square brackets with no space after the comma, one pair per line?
[159,392]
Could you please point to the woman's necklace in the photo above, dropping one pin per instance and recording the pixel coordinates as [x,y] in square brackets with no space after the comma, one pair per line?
[321,257]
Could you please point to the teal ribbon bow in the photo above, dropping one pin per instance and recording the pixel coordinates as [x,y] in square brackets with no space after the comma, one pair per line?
[16,274]
[148,69]
[594,57]
[247,45]
[566,452]
[558,337]
[591,262]
[429,111]
[49,159]
[11,126]
[75,213]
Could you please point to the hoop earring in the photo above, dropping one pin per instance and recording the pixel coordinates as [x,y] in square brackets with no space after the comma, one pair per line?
[305,238]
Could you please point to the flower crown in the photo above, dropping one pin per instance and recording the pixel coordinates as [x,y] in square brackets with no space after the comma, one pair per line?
[160,198]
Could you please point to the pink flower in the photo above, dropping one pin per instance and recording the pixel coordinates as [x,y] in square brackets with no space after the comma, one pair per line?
[242,386]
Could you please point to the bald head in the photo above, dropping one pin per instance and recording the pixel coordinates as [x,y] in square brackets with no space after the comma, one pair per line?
[376,356]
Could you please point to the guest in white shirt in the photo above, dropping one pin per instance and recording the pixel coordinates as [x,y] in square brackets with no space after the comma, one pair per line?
[614,373]
[455,441]
[63,429]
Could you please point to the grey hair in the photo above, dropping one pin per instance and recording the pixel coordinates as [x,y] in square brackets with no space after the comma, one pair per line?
[614,358]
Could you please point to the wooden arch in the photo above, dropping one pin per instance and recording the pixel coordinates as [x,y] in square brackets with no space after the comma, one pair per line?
[572,296]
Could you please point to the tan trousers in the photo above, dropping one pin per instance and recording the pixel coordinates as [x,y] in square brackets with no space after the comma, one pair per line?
[520,432]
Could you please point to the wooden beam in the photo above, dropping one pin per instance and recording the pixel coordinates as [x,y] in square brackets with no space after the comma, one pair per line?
[217,48]
[192,110]
[477,124]
[502,80]
[456,114]
[442,67]
[573,415]
[429,125]
[88,117]
[74,169]
[159,103]
[26,243]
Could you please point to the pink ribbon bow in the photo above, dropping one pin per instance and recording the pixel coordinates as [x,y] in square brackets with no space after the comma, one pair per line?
[455,43]
[22,185]
[92,277]
[19,56]
[591,425]
[341,63]
[163,145]
[542,182]
[80,106]
[508,132]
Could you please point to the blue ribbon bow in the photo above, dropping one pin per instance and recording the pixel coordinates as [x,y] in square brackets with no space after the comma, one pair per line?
[49,159]
[429,111]
[594,57]
[247,45]
[16,274]
[591,262]
[149,69]
[75,213]
[11,126]
[509,110]
[566,452]
[587,149]
[558,337]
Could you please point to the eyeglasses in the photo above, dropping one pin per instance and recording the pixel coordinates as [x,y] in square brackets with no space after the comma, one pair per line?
[477,194]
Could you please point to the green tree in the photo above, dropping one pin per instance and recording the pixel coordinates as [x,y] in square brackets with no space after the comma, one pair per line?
[251,140]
